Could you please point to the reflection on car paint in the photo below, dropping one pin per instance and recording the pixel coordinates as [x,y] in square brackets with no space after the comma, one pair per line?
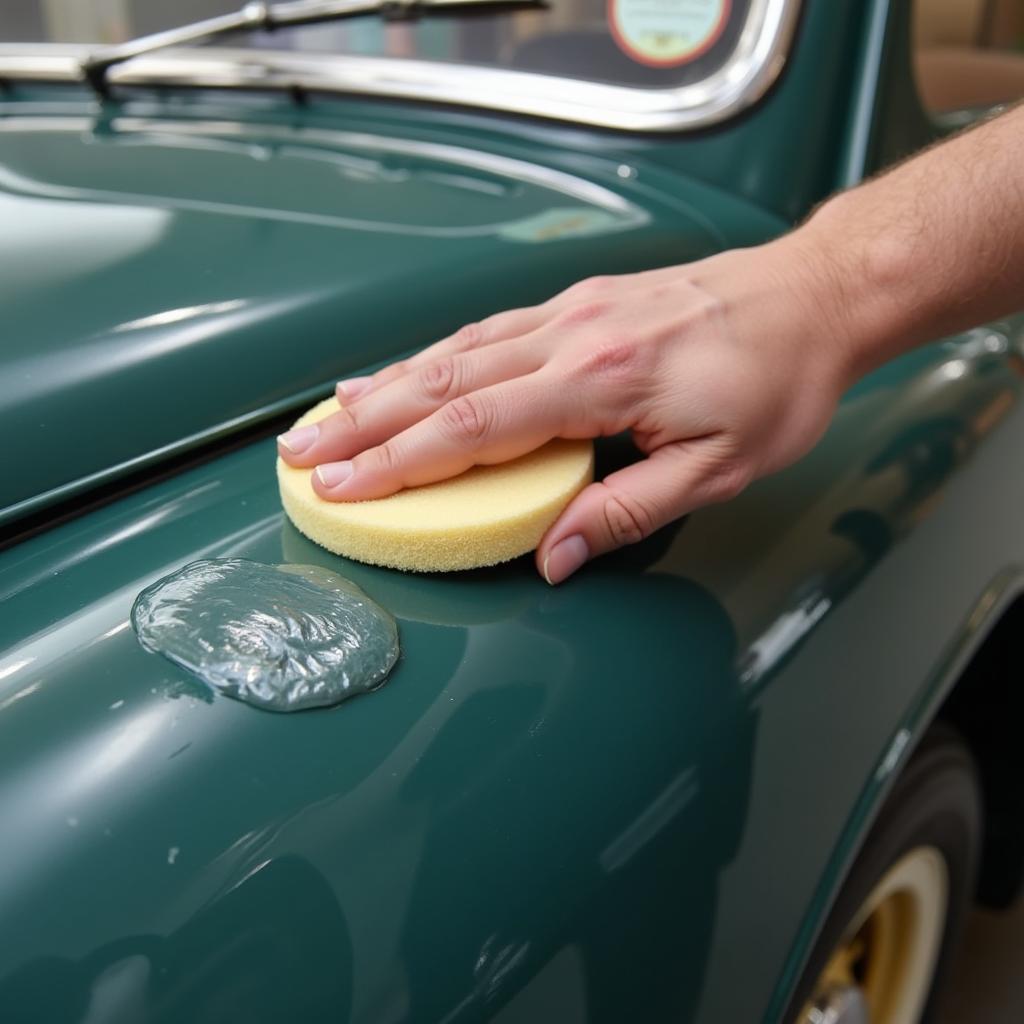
[961,392]
[496,180]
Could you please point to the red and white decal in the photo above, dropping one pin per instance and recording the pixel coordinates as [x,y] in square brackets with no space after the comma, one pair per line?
[666,33]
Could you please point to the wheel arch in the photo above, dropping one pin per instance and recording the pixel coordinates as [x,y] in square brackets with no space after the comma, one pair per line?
[970,691]
[985,705]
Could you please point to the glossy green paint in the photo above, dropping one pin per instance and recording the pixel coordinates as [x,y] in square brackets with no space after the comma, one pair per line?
[565,803]
[606,801]
[194,255]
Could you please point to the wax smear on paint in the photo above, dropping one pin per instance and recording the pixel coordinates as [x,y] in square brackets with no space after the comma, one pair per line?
[280,637]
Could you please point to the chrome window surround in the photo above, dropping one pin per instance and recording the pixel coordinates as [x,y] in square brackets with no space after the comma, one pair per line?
[746,75]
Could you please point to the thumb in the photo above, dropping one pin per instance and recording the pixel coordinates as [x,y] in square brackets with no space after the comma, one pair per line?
[631,503]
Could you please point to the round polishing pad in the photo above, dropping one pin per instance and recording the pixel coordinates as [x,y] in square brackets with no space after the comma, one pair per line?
[486,515]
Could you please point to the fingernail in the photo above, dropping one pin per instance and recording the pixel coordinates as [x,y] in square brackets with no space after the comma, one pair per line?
[299,439]
[333,473]
[565,558]
[352,388]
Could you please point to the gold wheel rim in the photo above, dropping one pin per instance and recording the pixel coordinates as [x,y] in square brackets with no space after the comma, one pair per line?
[888,950]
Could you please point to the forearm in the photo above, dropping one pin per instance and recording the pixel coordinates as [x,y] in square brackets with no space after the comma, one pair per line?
[724,370]
[930,248]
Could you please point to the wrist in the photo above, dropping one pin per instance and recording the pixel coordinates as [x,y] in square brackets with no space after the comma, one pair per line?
[859,277]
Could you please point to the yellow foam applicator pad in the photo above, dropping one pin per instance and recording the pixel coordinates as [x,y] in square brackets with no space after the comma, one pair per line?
[486,515]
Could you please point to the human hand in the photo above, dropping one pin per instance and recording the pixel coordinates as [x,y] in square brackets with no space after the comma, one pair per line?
[723,370]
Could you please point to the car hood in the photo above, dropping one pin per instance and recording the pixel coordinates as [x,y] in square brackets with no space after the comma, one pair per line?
[167,281]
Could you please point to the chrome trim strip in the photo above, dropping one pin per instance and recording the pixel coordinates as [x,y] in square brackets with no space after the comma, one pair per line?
[753,66]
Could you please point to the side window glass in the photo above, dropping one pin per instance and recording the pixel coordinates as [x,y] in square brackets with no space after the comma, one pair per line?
[968,54]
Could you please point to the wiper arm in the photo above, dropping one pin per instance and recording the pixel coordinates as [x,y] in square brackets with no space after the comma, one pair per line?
[269,16]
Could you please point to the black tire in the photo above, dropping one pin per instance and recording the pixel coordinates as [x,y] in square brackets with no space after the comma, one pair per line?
[936,801]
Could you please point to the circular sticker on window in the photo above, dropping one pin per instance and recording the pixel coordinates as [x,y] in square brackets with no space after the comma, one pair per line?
[666,33]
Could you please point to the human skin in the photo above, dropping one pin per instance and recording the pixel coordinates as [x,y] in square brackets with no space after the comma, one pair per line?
[724,370]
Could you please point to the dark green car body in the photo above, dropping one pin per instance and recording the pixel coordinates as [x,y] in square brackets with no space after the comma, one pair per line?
[631,797]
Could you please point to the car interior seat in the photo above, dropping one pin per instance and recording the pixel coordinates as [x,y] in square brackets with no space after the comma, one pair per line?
[968,53]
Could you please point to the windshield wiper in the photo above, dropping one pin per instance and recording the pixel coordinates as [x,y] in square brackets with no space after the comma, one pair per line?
[267,17]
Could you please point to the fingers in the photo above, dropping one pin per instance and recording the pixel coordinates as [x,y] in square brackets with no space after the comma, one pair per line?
[480,428]
[499,327]
[503,326]
[630,504]
[393,407]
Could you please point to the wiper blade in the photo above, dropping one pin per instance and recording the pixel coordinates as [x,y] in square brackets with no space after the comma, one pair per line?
[267,17]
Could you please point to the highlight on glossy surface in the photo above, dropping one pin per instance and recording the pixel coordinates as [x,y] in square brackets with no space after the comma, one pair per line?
[280,637]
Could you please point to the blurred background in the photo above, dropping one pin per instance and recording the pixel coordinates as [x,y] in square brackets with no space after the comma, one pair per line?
[969,53]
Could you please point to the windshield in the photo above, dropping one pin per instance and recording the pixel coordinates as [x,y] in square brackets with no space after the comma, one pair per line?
[642,43]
